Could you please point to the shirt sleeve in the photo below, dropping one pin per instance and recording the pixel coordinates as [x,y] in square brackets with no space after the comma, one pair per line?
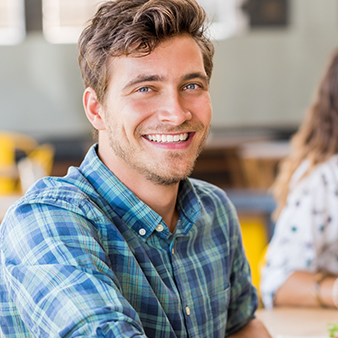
[243,301]
[57,275]
[305,236]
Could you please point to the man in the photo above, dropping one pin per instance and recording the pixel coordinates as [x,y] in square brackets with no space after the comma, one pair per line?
[126,245]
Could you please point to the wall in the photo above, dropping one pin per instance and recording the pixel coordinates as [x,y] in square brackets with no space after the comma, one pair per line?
[268,77]
[264,78]
[41,89]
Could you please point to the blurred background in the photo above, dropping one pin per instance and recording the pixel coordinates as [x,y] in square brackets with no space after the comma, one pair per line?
[269,57]
[264,76]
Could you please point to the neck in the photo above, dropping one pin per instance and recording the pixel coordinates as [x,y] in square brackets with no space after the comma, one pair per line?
[160,198]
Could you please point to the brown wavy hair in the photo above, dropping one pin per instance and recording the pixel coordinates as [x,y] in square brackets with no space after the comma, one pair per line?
[317,138]
[125,27]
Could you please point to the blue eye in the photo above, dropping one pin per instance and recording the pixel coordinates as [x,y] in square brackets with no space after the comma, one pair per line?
[191,86]
[144,89]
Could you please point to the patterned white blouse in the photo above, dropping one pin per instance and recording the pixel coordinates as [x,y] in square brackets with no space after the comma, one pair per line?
[306,232]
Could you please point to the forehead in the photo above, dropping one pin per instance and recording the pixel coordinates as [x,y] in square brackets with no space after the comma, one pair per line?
[176,56]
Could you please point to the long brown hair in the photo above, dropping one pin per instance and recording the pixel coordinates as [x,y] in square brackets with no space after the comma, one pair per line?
[317,138]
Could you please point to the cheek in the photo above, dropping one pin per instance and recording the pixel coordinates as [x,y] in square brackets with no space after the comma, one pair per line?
[203,110]
[139,112]
[139,109]
[135,116]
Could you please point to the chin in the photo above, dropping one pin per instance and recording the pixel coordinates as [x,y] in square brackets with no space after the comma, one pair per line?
[168,179]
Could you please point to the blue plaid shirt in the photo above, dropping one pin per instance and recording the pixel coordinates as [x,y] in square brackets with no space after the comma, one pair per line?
[83,256]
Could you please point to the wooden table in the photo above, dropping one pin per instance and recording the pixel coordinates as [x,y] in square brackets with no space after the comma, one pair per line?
[298,322]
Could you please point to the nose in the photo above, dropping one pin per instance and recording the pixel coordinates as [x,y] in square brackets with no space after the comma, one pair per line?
[173,109]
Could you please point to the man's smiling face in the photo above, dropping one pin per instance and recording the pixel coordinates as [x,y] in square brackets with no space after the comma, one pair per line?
[157,111]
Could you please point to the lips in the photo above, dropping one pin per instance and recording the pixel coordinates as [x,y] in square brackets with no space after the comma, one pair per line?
[165,138]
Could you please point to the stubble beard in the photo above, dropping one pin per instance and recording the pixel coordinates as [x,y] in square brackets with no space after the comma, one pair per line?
[157,176]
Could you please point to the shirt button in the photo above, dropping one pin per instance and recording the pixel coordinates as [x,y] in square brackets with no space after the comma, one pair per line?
[159,228]
[187,310]
[142,232]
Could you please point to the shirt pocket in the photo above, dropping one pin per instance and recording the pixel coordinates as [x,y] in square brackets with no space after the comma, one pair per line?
[211,315]
[219,304]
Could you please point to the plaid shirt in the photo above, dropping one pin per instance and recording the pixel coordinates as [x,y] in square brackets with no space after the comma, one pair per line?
[83,256]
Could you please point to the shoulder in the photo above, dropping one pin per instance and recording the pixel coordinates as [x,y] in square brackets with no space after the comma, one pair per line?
[311,203]
[213,197]
[67,195]
[328,170]
[207,190]
[323,175]
[52,211]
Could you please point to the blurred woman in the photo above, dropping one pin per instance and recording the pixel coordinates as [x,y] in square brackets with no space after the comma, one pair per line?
[302,258]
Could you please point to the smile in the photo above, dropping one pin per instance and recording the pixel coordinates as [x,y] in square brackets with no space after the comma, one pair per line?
[161,138]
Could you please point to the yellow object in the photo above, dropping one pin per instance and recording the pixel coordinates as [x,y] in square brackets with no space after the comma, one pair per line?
[44,156]
[21,141]
[36,165]
[262,261]
[40,158]
[7,165]
[254,241]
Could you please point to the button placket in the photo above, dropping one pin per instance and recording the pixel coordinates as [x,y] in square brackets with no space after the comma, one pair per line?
[172,246]
[187,310]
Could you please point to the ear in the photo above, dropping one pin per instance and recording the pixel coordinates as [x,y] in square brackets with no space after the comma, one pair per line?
[93,109]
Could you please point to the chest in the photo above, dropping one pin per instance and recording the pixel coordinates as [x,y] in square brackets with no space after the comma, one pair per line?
[183,281]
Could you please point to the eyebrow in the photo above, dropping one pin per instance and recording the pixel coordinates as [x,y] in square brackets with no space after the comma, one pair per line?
[197,75]
[143,78]
[155,78]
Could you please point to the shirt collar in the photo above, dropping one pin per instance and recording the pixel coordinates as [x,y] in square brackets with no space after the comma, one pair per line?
[129,207]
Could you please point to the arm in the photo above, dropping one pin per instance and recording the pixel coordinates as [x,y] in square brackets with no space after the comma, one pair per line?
[244,300]
[299,289]
[255,328]
[58,276]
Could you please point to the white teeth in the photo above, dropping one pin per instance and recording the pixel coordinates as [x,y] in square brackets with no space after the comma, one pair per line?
[168,138]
